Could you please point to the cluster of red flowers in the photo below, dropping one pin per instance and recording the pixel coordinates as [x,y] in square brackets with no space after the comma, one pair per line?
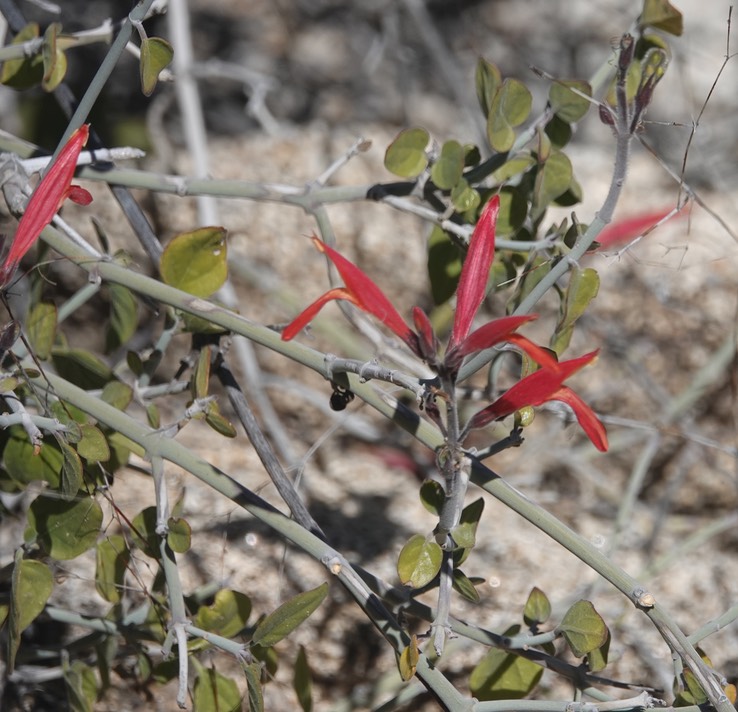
[545,384]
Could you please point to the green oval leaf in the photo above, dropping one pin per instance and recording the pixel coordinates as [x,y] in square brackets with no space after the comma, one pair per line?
[111,558]
[179,534]
[302,681]
[465,533]
[537,607]
[81,368]
[408,661]
[662,15]
[156,54]
[195,262]
[487,79]
[71,474]
[255,697]
[41,329]
[215,692]
[419,561]
[64,529]
[583,287]
[81,686]
[32,584]
[447,170]
[583,628]
[566,104]
[432,496]
[288,616]
[23,464]
[444,265]
[504,676]
[123,317]
[510,107]
[218,422]
[406,156]
[597,659]
[465,586]
[93,446]
[26,72]
[144,534]
[464,197]
[227,615]
[553,179]
[117,394]
[54,59]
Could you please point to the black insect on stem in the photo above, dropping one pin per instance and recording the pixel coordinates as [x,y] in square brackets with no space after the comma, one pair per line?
[340,397]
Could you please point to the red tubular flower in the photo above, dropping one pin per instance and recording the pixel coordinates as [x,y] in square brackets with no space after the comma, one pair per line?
[544,385]
[475,272]
[361,291]
[53,189]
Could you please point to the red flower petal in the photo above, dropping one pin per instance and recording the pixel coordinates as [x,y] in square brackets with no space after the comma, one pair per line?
[475,272]
[307,315]
[427,341]
[628,229]
[50,193]
[535,389]
[588,421]
[368,295]
[493,332]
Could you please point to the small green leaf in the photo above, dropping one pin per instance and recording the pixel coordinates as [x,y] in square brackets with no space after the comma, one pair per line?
[218,422]
[464,197]
[54,59]
[23,464]
[288,616]
[464,535]
[510,107]
[302,681]
[504,676]
[26,72]
[553,179]
[195,262]
[408,660]
[487,79]
[255,697]
[31,586]
[123,317]
[662,15]
[117,394]
[406,156]
[41,329]
[597,659]
[64,529]
[93,446]
[432,496]
[444,265]
[81,685]
[201,374]
[566,104]
[583,287]
[447,170]
[516,166]
[152,416]
[537,607]
[112,556]
[227,615]
[419,561]
[144,534]
[583,628]
[81,368]
[71,474]
[215,692]
[156,54]
[465,586]
[513,211]
[179,534]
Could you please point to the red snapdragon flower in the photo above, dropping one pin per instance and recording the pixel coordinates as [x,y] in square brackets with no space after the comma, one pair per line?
[361,291]
[535,389]
[546,384]
[53,189]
